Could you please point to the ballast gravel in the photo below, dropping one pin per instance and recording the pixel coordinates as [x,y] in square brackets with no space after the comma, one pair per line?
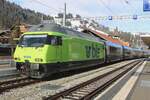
[39,90]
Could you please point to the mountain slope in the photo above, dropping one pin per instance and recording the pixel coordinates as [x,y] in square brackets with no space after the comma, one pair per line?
[11,14]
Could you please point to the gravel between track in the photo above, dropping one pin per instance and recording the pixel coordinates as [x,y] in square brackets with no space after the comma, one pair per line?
[36,91]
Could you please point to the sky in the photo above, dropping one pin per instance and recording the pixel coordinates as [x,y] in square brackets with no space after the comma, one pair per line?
[96,8]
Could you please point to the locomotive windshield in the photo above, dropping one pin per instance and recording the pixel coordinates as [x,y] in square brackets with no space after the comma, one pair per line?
[33,40]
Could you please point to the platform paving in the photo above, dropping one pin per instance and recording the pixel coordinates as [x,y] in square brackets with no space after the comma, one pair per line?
[135,85]
[7,68]
[141,91]
[8,72]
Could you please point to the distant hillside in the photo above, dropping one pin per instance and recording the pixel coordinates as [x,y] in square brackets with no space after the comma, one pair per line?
[12,14]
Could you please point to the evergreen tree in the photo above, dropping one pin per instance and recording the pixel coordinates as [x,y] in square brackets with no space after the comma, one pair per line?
[12,14]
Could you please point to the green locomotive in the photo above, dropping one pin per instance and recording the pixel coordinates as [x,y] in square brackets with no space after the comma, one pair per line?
[51,48]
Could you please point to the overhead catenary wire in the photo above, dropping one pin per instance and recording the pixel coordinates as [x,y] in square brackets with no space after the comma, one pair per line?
[123,4]
[135,16]
[121,17]
[124,17]
[52,9]
[49,7]
[38,1]
[106,6]
[127,2]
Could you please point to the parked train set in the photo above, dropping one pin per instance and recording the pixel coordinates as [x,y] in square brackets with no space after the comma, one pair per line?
[51,48]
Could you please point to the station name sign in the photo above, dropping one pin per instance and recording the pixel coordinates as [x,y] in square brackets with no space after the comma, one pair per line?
[146,5]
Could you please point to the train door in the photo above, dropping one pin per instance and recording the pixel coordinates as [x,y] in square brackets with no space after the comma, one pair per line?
[56,41]
[105,53]
[59,48]
[108,53]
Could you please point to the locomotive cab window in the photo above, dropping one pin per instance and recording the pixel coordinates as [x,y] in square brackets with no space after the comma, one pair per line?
[39,40]
[32,40]
[54,40]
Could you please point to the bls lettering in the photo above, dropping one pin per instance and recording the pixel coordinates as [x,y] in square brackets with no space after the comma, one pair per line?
[92,51]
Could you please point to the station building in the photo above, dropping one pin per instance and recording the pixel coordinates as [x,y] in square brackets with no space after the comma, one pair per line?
[146,39]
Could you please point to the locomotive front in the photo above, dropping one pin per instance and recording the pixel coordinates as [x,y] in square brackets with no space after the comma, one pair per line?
[37,49]
[31,54]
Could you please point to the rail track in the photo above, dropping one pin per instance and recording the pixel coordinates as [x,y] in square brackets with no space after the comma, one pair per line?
[89,89]
[16,83]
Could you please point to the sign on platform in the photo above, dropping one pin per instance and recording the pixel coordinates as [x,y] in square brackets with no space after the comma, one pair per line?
[146,5]
[110,17]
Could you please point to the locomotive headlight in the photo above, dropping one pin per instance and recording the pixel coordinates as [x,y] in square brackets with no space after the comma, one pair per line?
[38,59]
[17,58]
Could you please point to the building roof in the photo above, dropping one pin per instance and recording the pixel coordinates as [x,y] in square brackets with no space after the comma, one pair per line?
[109,38]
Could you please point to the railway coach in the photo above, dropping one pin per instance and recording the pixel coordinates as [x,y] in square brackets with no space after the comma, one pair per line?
[114,52]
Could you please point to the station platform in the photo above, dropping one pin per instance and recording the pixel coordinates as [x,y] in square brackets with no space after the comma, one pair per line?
[7,68]
[141,90]
[135,85]
[7,63]
[5,57]
[8,72]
